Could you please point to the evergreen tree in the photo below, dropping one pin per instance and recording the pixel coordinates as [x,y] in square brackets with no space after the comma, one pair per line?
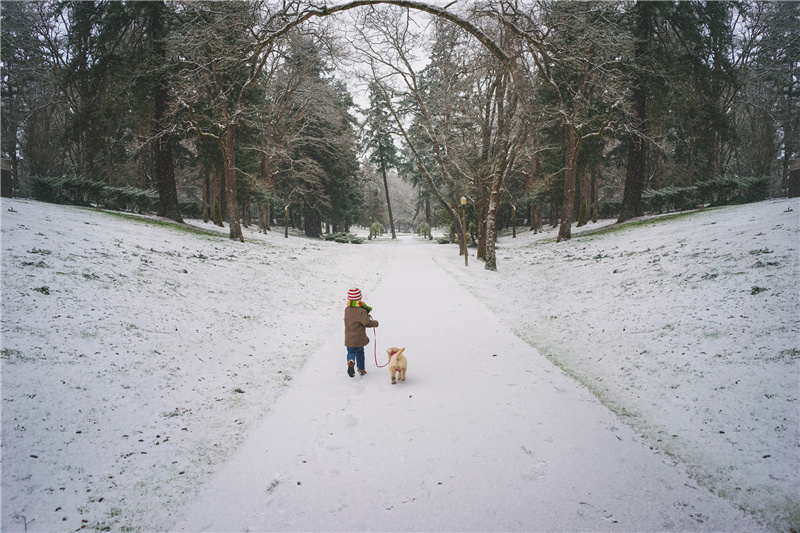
[379,142]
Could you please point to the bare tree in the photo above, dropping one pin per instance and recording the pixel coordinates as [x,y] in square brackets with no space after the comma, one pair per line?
[576,50]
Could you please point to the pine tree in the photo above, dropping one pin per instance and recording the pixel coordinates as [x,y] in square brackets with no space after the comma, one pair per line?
[379,142]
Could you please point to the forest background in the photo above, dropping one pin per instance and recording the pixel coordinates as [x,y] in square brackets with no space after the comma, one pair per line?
[485,114]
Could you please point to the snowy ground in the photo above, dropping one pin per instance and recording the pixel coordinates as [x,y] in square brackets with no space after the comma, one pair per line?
[142,364]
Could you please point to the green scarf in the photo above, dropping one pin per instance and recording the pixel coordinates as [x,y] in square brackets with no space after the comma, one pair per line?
[357,303]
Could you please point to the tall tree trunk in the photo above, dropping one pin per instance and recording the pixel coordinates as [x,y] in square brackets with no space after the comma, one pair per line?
[269,186]
[428,217]
[570,171]
[788,150]
[533,179]
[584,203]
[491,222]
[164,167]
[215,193]
[263,215]
[657,170]
[312,221]
[637,147]
[595,192]
[206,191]
[246,210]
[230,185]
[482,240]
[386,188]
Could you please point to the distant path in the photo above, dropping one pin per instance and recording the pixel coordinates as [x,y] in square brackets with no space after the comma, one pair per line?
[471,442]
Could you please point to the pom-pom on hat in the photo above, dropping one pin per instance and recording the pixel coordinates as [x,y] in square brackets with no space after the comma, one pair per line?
[354,294]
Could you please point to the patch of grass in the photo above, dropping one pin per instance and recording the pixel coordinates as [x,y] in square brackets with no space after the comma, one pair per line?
[161,223]
[637,224]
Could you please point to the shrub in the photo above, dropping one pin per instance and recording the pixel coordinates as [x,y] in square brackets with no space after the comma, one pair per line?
[191,208]
[129,199]
[344,238]
[376,229]
[610,209]
[424,230]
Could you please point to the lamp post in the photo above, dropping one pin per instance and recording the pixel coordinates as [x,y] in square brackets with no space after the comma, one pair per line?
[464,223]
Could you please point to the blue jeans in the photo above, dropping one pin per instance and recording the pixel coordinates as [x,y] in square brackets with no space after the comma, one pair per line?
[357,355]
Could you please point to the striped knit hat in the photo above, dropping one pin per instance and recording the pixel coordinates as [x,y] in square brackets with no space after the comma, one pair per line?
[354,294]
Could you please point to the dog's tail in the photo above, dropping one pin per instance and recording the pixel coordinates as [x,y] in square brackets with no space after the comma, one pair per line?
[400,351]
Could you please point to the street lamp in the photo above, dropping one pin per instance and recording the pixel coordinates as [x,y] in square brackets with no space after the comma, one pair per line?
[464,222]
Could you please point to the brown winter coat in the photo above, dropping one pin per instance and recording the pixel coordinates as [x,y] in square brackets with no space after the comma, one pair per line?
[356,322]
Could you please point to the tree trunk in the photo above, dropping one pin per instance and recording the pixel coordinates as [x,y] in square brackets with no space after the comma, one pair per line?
[584,204]
[491,223]
[637,148]
[206,191]
[246,211]
[595,193]
[312,221]
[482,214]
[565,230]
[269,186]
[230,185]
[164,167]
[215,191]
[428,217]
[513,222]
[533,179]
[386,188]
[263,216]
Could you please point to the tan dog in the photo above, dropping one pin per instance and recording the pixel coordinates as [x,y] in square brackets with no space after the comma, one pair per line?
[397,363]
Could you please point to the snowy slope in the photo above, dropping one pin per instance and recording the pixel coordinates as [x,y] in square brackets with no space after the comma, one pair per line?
[141,363]
[688,328]
[120,384]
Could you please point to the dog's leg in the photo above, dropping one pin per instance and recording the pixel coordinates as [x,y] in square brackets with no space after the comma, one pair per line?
[402,374]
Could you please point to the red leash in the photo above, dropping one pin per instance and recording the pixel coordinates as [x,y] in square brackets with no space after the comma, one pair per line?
[374,334]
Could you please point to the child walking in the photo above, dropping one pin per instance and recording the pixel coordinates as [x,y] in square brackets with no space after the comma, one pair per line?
[356,322]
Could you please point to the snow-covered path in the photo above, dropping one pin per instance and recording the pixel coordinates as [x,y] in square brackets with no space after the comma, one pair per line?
[486,435]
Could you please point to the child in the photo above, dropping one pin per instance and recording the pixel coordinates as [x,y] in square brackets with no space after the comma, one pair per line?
[356,322]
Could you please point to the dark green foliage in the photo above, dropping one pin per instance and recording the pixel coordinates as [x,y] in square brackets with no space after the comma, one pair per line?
[610,208]
[191,208]
[720,191]
[76,190]
[344,238]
